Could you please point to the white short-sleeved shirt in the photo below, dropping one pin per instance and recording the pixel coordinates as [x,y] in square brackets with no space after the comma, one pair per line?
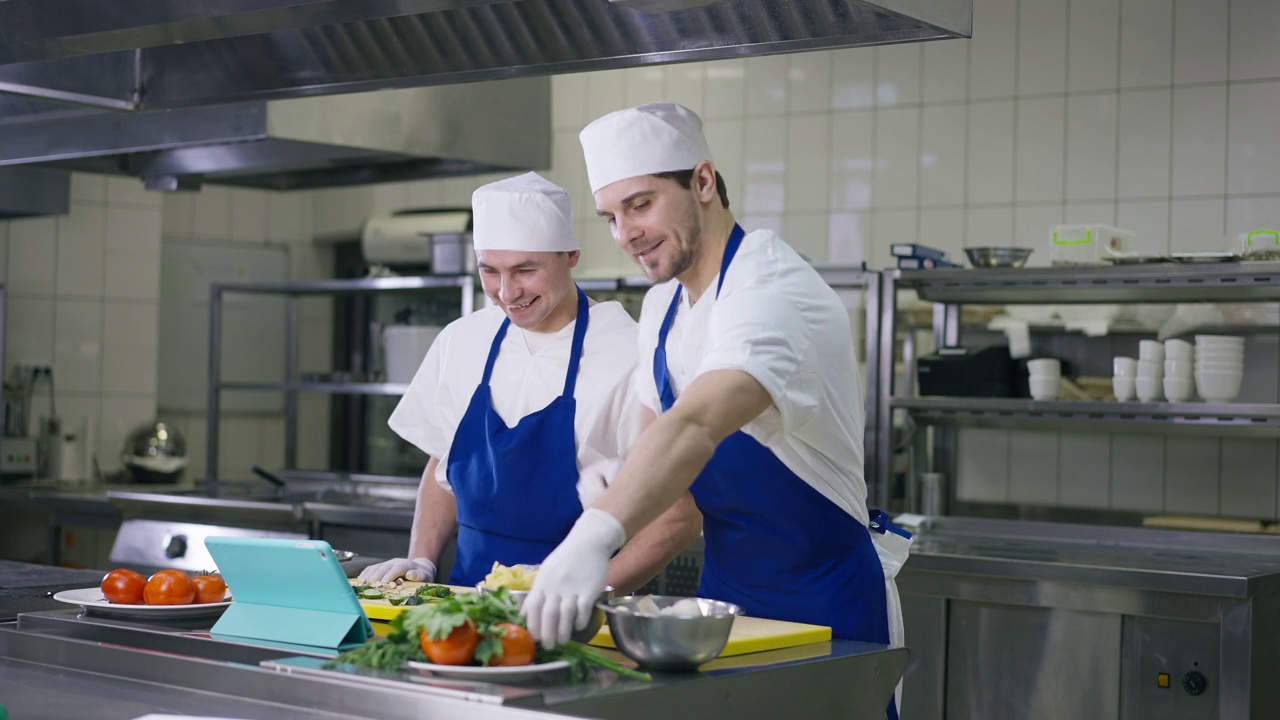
[778,321]
[528,374]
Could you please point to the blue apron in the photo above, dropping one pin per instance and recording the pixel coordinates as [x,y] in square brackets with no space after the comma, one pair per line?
[517,488]
[774,545]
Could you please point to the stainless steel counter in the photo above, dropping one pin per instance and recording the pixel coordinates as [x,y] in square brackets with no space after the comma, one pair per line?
[839,679]
[1159,560]
[1017,619]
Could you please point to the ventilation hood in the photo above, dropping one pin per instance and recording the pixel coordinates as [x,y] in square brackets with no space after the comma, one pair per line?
[29,192]
[175,91]
[384,136]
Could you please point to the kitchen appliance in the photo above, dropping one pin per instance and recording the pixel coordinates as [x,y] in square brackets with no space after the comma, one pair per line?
[155,453]
[19,458]
[150,545]
[964,372]
[435,241]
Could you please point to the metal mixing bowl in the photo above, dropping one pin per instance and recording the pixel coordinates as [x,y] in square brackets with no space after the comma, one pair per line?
[994,257]
[670,642]
[582,636]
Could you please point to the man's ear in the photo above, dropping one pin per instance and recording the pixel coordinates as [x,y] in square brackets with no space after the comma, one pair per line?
[704,182]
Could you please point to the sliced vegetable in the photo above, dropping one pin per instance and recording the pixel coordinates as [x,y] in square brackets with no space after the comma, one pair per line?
[372,594]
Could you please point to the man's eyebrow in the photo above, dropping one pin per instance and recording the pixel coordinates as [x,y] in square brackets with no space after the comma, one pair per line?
[627,200]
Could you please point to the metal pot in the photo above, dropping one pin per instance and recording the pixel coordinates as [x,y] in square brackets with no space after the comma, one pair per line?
[155,453]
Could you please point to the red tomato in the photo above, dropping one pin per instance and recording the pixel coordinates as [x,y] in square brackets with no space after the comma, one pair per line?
[169,587]
[459,648]
[123,587]
[517,646]
[209,588]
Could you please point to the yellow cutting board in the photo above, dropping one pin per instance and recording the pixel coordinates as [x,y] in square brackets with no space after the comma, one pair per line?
[752,635]
[383,610]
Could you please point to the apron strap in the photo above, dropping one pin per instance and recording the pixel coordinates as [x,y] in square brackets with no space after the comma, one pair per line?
[493,351]
[579,337]
[661,375]
[880,523]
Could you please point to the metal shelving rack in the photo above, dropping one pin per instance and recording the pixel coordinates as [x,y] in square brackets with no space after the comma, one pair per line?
[837,277]
[1153,283]
[465,284]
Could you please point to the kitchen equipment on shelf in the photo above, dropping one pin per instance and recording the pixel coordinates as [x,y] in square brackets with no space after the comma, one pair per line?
[1088,244]
[1045,378]
[997,257]
[436,240]
[155,453]
[404,347]
[965,372]
[1219,367]
[1124,378]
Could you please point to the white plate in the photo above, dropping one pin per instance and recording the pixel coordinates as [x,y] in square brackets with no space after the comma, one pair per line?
[517,673]
[92,601]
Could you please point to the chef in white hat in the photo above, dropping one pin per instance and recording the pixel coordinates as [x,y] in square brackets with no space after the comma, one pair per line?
[755,389]
[524,406]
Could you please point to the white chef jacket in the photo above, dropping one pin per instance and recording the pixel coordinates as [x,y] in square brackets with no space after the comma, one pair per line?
[778,321]
[528,374]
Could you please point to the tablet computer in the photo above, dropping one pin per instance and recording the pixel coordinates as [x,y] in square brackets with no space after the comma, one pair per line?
[285,590]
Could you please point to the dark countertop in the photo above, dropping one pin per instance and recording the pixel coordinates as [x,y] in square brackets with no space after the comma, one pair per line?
[26,588]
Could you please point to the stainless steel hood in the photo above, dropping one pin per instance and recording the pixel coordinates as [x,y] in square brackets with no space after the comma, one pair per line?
[383,136]
[83,69]
[29,191]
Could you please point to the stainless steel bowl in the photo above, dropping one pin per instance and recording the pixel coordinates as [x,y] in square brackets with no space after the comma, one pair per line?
[994,257]
[582,636]
[670,642]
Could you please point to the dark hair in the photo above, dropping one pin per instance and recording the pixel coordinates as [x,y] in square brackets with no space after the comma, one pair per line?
[685,179]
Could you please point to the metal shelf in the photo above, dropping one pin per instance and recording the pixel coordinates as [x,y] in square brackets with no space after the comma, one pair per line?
[1263,420]
[355,286]
[1155,283]
[325,388]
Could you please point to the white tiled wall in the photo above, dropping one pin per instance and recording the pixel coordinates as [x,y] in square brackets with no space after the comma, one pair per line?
[223,215]
[82,293]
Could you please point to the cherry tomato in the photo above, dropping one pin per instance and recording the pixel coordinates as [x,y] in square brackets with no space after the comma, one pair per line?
[209,588]
[169,587]
[123,587]
[517,646]
[459,648]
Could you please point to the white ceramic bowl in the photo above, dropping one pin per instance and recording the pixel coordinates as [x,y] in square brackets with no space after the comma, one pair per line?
[1178,368]
[1220,356]
[1151,350]
[1179,389]
[1218,387]
[1045,388]
[1218,341]
[1150,369]
[1179,350]
[1124,367]
[1150,389]
[1220,367]
[1044,367]
[1123,387]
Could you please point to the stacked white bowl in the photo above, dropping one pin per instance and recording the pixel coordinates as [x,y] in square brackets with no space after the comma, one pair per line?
[1179,383]
[1150,382]
[1124,378]
[1219,367]
[1045,378]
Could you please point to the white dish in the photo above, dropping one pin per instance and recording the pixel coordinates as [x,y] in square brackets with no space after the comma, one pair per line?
[93,602]
[1178,350]
[1123,388]
[1152,350]
[1125,367]
[517,673]
[1150,369]
[1179,389]
[1150,389]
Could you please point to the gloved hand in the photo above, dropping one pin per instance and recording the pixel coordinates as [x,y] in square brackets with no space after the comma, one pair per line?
[416,570]
[571,578]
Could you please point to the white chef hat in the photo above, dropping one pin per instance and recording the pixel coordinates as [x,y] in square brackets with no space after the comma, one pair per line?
[526,212]
[643,140]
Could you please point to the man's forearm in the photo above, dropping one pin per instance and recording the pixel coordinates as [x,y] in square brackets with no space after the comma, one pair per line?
[644,556]
[435,517]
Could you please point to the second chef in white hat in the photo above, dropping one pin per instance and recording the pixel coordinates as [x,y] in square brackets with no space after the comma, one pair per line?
[524,407]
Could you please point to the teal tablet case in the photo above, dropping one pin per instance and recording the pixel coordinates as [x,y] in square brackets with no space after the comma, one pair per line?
[287,591]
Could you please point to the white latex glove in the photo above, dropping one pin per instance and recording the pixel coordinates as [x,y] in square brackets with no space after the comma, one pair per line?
[416,570]
[572,577]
